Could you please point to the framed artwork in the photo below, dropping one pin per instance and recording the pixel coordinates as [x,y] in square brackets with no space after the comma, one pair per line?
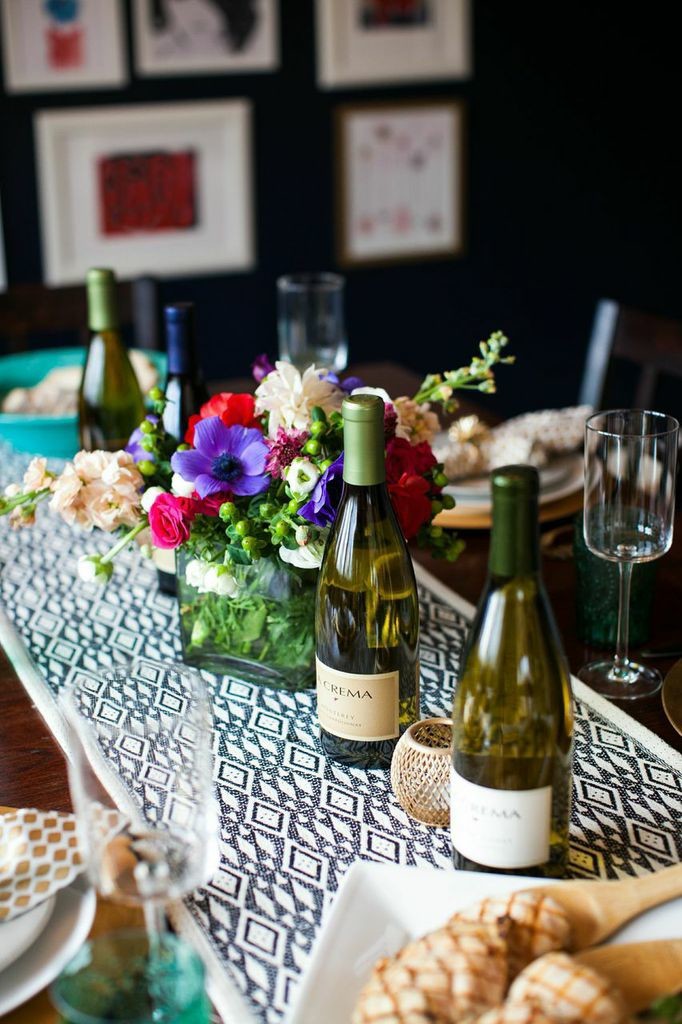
[178,37]
[365,42]
[62,44]
[161,189]
[400,181]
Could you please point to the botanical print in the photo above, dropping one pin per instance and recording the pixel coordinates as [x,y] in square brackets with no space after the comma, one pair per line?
[394,13]
[173,36]
[147,192]
[401,182]
[62,43]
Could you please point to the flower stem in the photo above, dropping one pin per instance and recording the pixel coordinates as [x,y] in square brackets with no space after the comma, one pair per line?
[124,541]
[30,497]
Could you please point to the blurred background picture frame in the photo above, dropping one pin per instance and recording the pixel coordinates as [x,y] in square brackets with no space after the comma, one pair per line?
[368,42]
[161,189]
[52,44]
[188,37]
[399,181]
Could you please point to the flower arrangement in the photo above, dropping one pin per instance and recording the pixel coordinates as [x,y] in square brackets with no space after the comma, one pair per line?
[255,481]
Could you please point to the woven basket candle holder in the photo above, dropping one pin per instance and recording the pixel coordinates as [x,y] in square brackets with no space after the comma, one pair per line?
[420,771]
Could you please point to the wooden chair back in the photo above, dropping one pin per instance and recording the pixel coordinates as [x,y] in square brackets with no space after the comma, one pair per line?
[653,343]
[29,311]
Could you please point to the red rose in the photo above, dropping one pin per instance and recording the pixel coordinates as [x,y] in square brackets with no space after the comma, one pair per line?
[411,503]
[169,520]
[403,457]
[233,409]
[210,505]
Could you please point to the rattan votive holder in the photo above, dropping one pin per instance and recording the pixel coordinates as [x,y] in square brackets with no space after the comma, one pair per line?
[420,771]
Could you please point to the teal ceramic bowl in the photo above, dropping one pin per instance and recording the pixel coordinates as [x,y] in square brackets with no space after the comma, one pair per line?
[52,436]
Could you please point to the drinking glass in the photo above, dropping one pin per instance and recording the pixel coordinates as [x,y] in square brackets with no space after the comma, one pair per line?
[141,783]
[630,462]
[310,320]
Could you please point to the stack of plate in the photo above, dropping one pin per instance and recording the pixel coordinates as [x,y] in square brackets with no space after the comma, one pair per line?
[37,945]
[561,494]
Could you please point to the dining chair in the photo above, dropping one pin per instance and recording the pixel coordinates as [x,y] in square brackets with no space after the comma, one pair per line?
[34,311]
[652,343]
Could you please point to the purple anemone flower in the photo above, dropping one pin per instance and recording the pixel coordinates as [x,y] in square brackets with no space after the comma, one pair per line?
[134,446]
[224,459]
[347,385]
[261,367]
[321,508]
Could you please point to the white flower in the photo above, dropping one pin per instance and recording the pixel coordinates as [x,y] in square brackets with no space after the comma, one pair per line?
[37,477]
[289,398]
[415,422]
[195,571]
[219,580]
[181,487]
[91,569]
[308,557]
[302,535]
[12,490]
[301,475]
[150,496]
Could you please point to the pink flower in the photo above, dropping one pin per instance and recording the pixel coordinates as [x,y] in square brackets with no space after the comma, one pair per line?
[170,519]
[284,448]
[101,489]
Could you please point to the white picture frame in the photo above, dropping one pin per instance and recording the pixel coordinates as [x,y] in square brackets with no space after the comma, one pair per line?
[43,53]
[351,52]
[400,181]
[193,41]
[95,212]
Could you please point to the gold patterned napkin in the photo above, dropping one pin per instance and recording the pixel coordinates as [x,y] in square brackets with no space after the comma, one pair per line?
[39,855]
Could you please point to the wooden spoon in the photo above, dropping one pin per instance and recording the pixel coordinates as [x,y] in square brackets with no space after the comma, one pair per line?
[641,971]
[597,909]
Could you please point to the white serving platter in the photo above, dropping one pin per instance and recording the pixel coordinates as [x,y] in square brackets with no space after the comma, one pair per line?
[379,907]
[18,934]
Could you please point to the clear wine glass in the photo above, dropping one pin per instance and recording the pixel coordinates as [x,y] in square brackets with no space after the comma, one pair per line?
[630,462]
[141,783]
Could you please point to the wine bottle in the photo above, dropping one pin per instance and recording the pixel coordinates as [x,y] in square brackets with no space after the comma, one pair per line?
[185,388]
[513,708]
[367,612]
[185,394]
[110,404]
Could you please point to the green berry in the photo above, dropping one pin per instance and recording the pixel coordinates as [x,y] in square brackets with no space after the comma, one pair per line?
[148,444]
[324,465]
[448,501]
[436,506]
[440,479]
[183,447]
[242,528]
[312,447]
[317,428]
[227,511]
[282,528]
[147,427]
[435,531]
[146,467]
[250,544]
[266,510]
[156,395]
[293,506]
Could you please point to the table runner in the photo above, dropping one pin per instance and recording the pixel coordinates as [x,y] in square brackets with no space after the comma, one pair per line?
[291,821]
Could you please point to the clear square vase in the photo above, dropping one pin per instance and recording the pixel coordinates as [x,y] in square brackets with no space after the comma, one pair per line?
[264,634]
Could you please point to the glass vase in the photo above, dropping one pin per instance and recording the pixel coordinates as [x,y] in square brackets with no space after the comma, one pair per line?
[264,634]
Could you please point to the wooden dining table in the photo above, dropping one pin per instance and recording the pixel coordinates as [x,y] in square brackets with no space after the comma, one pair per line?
[32,766]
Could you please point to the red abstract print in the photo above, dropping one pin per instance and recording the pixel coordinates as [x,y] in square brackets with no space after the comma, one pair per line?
[64,48]
[147,192]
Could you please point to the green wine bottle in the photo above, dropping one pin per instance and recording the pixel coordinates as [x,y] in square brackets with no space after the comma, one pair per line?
[110,403]
[513,708]
[367,612]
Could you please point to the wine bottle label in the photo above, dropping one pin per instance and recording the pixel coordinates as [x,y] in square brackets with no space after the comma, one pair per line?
[500,828]
[354,706]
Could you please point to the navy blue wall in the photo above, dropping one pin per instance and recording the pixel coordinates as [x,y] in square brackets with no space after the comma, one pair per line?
[573,193]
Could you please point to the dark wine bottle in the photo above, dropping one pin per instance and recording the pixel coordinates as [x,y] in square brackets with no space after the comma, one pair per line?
[185,394]
[185,388]
[110,404]
[367,612]
[513,708]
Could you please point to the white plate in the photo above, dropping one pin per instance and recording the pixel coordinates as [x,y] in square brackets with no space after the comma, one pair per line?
[17,935]
[570,481]
[62,937]
[379,907]
[550,476]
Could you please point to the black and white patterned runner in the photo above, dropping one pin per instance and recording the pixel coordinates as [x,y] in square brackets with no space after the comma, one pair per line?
[291,821]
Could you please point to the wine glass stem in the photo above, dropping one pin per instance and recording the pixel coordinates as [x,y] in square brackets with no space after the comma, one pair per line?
[155,922]
[621,662]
